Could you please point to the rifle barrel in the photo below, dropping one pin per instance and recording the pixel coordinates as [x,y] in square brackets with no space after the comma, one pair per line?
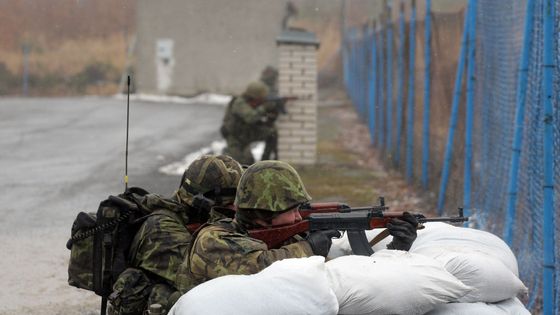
[443,219]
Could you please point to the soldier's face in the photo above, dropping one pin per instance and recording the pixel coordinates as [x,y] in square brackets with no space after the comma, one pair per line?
[288,217]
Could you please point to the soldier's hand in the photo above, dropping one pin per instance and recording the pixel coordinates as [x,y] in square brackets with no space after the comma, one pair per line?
[403,232]
[321,242]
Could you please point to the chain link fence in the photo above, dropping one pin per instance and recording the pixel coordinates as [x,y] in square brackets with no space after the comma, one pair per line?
[489,147]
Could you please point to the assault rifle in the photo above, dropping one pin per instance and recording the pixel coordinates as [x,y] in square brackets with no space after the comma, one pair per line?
[305,210]
[280,102]
[352,220]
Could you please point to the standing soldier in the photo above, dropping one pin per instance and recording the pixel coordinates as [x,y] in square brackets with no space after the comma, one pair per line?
[269,76]
[160,245]
[248,119]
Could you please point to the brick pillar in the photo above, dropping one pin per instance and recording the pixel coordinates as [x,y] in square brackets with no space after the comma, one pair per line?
[297,76]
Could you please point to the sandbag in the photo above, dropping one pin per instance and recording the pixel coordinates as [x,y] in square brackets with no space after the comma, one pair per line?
[479,259]
[392,282]
[490,279]
[451,238]
[507,307]
[289,286]
[341,246]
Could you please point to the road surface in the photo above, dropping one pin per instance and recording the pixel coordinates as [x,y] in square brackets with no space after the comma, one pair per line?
[60,156]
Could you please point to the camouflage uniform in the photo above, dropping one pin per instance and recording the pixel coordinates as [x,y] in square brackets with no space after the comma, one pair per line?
[160,245]
[224,248]
[156,251]
[266,189]
[244,124]
[269,76]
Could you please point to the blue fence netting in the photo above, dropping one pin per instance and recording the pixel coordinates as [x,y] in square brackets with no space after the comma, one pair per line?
[472,112]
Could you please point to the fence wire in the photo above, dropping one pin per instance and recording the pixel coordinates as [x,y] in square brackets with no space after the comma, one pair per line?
[499,43]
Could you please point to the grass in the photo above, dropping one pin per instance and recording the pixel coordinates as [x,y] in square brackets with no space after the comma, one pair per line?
[85,66]
[348,171]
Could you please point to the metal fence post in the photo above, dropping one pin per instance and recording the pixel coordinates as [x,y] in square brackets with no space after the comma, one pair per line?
[454,114]
[410,112]
[380,103]
[373,84]
[469,113]
[389,107]
[519,120]
[548,152]
[427,79]
[400,83]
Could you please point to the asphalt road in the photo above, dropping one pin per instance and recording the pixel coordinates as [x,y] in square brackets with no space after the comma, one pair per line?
[64,155]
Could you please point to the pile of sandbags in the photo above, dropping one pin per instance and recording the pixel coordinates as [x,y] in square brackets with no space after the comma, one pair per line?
[392,282]
[507,307]
[449,270]
[478,258]
[287,287]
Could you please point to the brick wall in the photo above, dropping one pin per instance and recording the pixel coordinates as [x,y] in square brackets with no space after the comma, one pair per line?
[297,67]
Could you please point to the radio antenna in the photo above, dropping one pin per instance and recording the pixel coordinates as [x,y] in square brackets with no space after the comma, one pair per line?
[127,122]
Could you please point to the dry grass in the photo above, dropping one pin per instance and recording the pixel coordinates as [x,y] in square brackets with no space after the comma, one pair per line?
[348,169]
[70,57]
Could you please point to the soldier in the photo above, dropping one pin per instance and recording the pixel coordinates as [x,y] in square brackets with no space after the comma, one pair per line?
[247,119]
[269,194]
[269,76]
[160,245]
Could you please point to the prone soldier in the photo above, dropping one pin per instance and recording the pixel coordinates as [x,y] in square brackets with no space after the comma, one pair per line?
[160,245]
[269,195]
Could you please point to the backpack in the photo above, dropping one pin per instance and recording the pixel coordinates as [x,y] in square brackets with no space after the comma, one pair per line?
[100,241]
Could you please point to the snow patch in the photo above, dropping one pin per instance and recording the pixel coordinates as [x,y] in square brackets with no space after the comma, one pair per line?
[216,147]
[205,98]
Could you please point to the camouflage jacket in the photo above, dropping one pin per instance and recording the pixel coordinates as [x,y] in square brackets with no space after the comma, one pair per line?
[241,118]
[224,248]
[220,213]
[161,243]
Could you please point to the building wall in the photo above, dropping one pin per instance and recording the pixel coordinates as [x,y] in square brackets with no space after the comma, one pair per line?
[297,130]
[212,45]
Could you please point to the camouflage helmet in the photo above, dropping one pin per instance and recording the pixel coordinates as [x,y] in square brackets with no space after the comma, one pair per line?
[218,174]
[271,186]
[256,90]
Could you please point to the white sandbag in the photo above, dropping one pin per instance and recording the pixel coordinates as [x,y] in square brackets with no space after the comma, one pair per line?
[341,246]
[490,279]
[391,282]
[507,307]
[452,238]
[289,286]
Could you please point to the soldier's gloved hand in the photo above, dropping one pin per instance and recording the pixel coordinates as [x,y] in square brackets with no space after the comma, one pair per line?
[321,242]
[403,232]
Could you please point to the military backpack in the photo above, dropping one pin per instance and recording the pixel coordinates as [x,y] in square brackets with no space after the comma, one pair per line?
[100,242]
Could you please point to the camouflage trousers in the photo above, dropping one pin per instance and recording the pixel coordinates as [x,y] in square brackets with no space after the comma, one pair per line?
[133,293]
[239,146]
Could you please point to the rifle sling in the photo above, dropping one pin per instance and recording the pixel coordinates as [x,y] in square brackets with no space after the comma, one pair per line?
[379,237]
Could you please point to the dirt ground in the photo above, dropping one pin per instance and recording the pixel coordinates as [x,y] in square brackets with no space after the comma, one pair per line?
[347,170]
